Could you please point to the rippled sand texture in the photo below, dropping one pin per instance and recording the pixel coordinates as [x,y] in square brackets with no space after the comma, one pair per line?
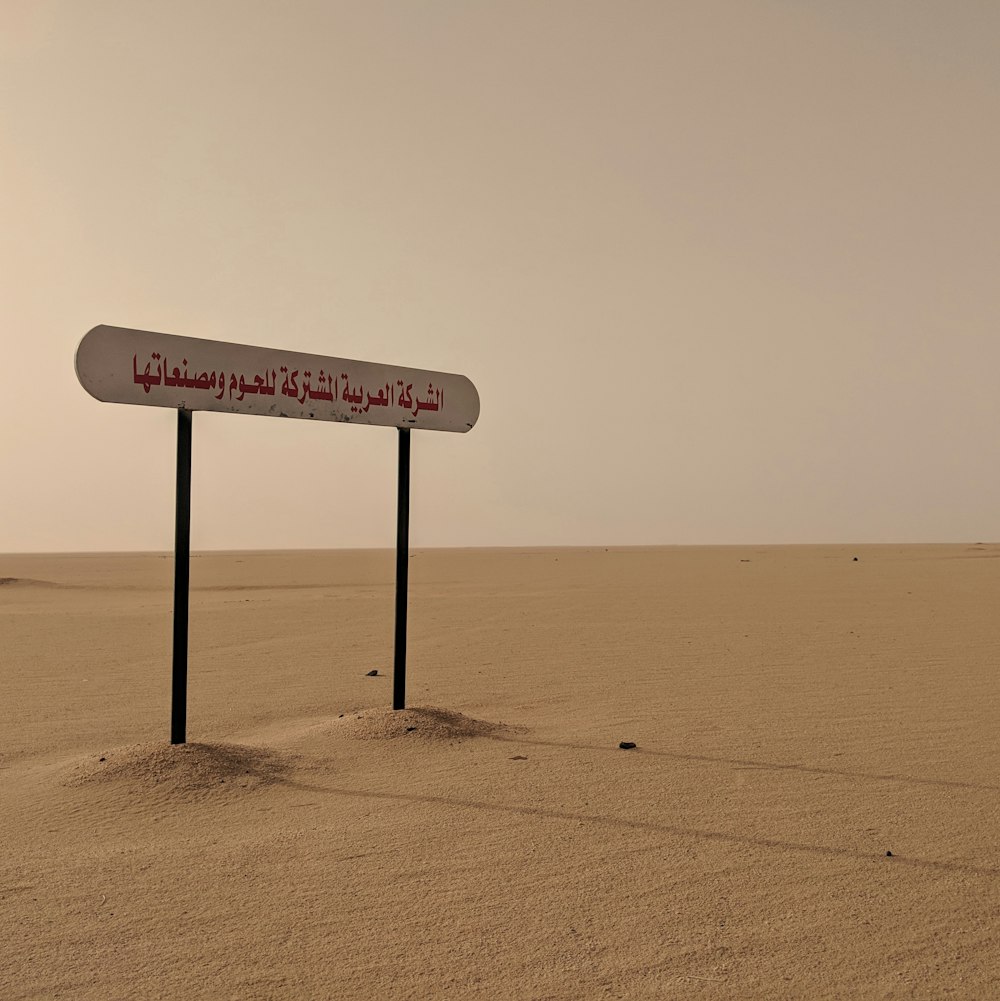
[798,715]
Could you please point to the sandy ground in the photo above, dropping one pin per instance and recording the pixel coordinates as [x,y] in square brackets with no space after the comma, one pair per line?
[797,714]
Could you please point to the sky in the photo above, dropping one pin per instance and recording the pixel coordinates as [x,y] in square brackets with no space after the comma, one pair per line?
[722,271]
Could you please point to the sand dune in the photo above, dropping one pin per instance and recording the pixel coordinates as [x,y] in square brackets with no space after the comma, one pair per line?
[798,715]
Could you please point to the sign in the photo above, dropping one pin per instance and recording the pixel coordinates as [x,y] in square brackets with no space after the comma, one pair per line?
[120,365]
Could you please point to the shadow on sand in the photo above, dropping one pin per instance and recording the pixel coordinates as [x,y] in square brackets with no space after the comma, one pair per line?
[651,826]
[758,765]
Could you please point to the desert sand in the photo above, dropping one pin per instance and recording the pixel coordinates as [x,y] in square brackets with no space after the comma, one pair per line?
[798,714]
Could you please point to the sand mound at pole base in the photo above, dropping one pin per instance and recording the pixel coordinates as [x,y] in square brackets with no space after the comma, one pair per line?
[183,768]
[419,723]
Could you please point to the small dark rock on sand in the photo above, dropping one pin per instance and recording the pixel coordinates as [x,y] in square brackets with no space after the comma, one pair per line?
[627,745]
[888,854]
[372,674]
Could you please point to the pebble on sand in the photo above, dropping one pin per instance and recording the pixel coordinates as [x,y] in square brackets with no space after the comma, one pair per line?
[372,674]
[627,745]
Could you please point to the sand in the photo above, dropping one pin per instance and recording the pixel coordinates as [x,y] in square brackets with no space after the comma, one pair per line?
[798,715]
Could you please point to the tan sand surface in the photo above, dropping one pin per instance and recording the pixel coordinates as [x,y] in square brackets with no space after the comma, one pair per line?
[798,714]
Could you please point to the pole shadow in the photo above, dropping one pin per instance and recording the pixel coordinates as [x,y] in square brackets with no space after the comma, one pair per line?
[700,834]
[749,763]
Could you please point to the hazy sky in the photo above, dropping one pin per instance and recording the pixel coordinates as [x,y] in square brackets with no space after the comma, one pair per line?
[722,270]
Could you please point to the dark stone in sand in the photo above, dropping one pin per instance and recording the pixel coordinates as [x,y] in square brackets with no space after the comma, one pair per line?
[888,854]
[372,674]
[855,560]
[410,729]
[627,745]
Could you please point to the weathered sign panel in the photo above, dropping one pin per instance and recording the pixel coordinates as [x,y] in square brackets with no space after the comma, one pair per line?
[120,365]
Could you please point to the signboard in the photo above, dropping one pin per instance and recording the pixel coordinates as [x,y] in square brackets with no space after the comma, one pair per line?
[120,365]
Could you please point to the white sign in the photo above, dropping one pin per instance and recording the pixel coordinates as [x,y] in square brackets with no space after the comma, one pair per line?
[118,365]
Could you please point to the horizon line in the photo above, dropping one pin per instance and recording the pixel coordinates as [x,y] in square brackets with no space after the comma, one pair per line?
[514,547]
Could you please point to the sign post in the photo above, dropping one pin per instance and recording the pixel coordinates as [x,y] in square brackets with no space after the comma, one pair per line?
[182,576]
[402,569]
[121,365]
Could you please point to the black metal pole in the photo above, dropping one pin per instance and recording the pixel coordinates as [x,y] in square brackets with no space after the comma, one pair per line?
[182,568]
[402,569]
